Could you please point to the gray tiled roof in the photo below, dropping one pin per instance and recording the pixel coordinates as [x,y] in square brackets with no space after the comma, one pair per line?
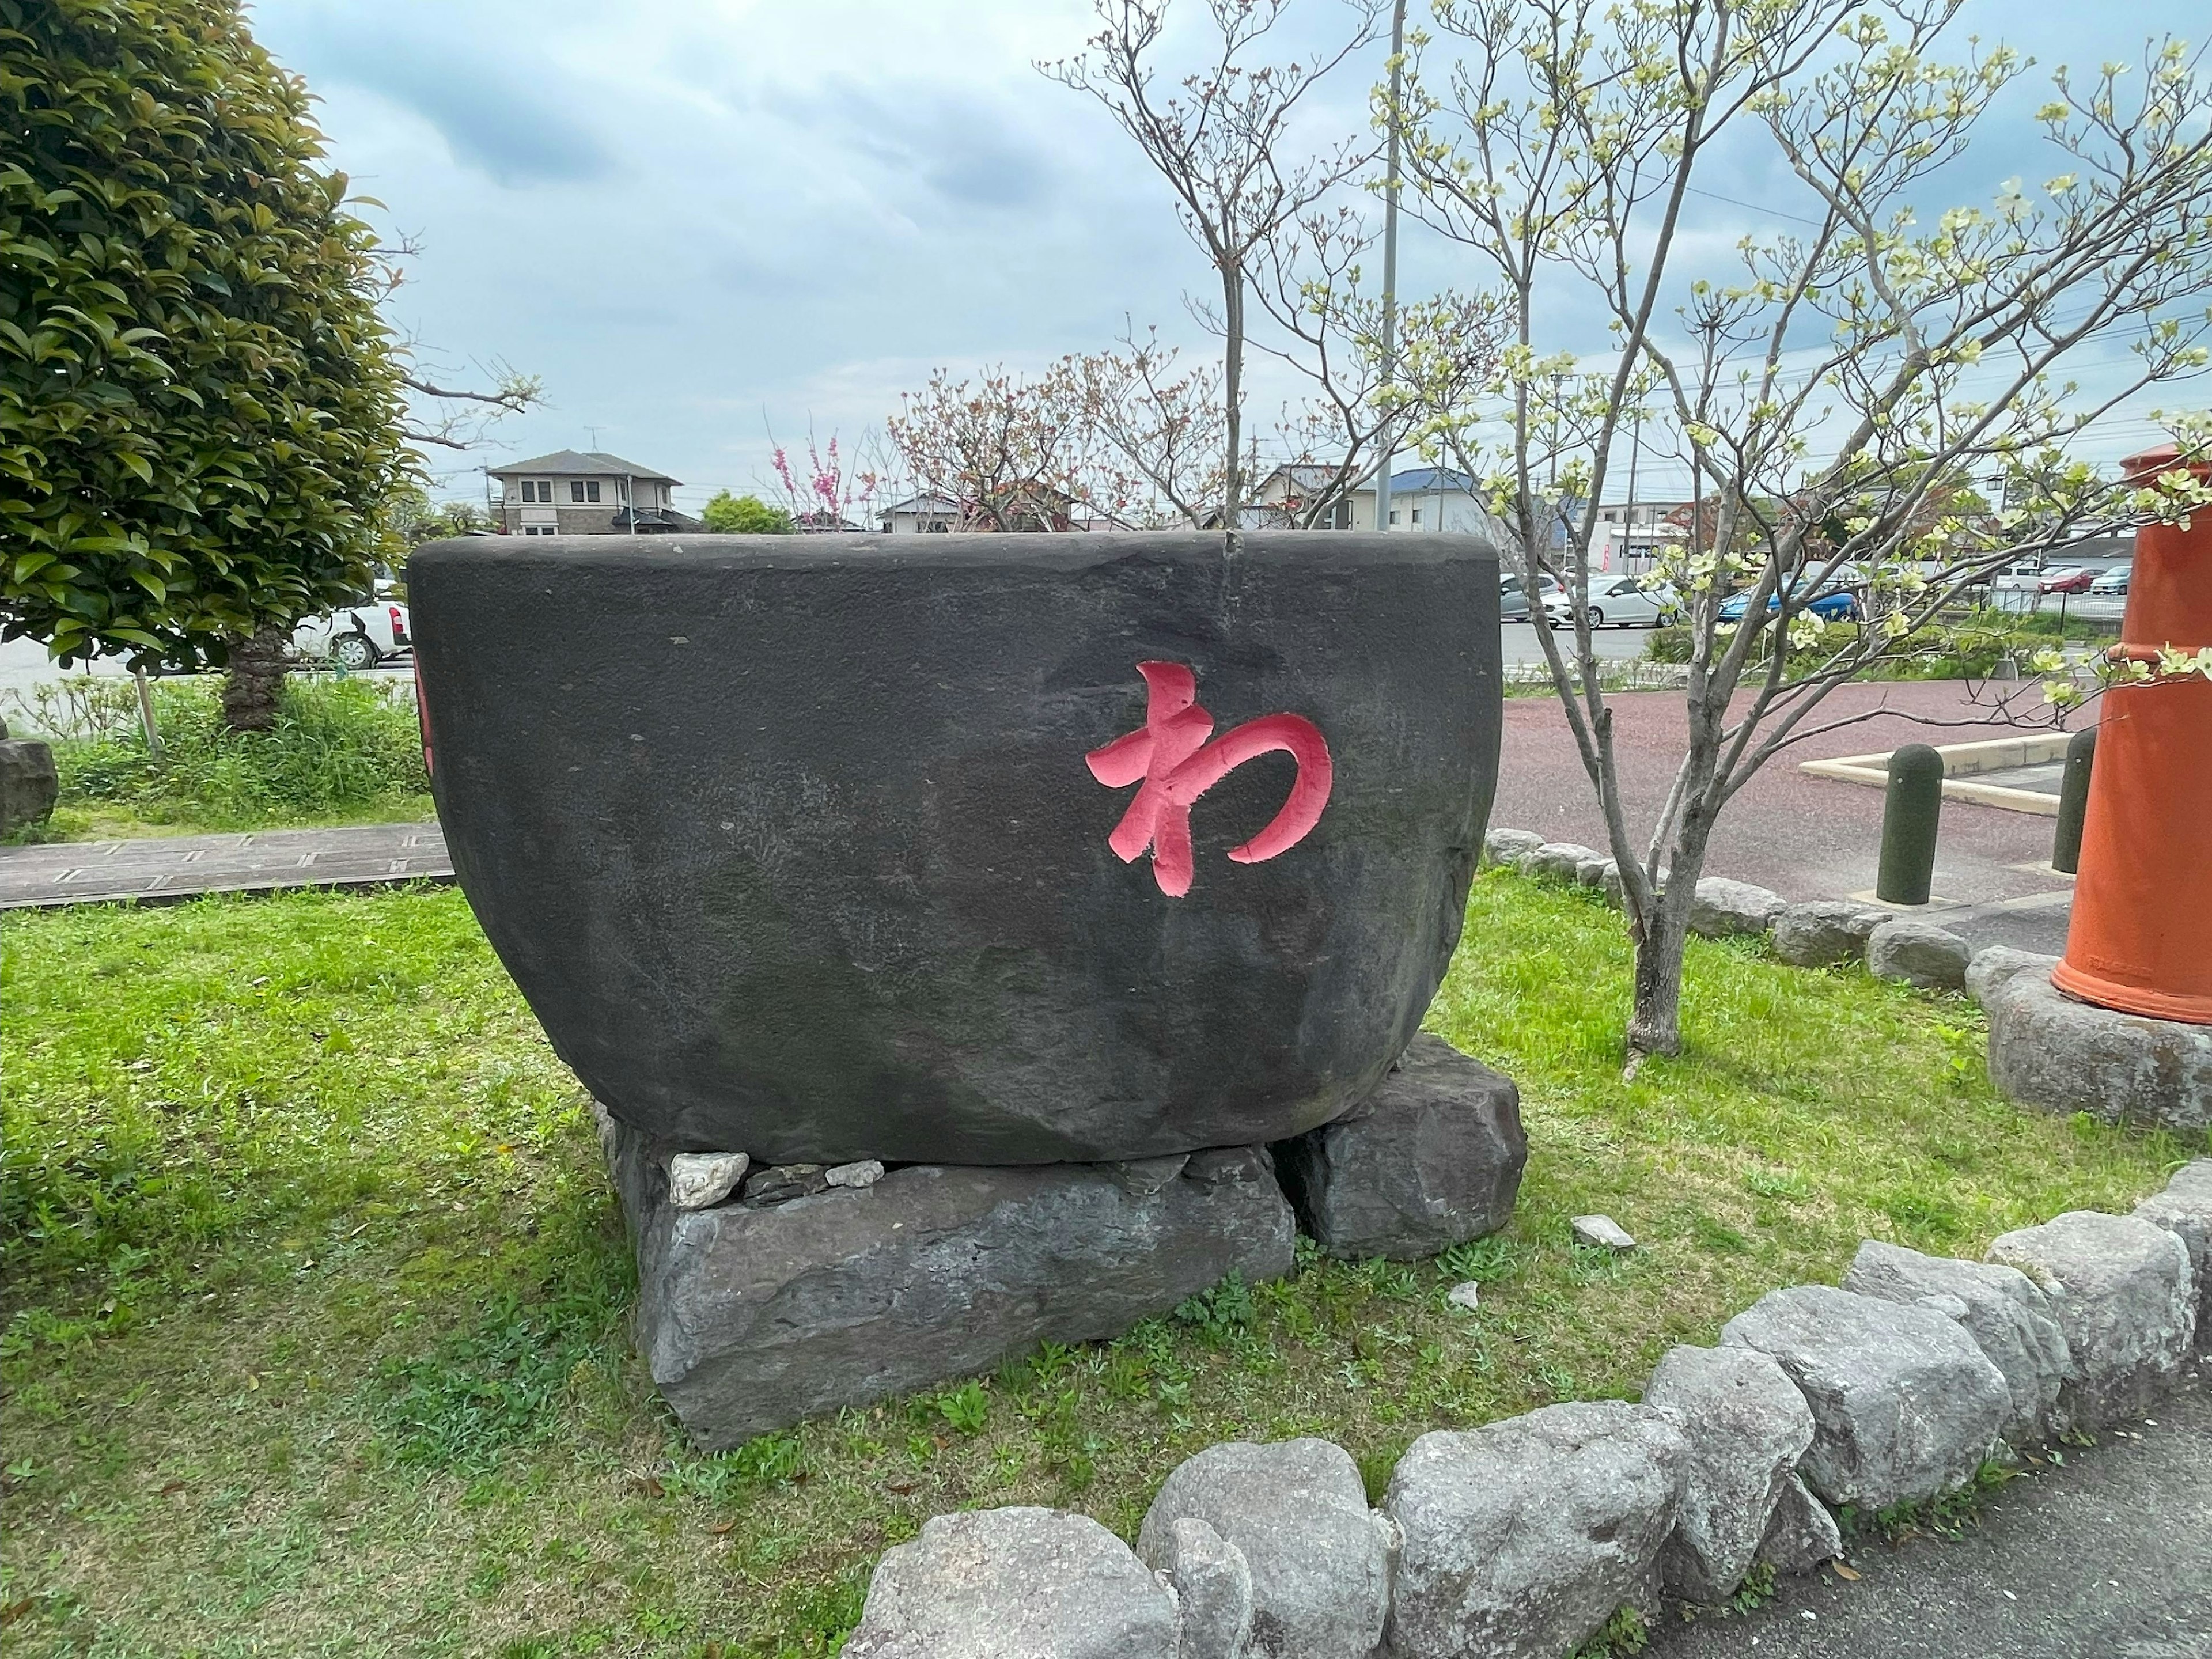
[592,463]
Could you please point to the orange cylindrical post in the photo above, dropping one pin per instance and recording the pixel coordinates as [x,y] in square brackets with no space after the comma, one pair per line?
[2141,936]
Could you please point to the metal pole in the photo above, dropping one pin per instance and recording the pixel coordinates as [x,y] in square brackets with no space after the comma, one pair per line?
[1390,261]
[1910,818]
[146,717]
[2073,800]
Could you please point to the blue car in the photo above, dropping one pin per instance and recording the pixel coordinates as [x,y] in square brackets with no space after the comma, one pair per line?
[1836,604]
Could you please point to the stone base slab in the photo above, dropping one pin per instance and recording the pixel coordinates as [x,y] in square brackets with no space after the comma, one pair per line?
[752,1318]
[2049,1051]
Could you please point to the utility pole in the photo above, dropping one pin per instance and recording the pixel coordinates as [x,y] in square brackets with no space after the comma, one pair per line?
[1390,261]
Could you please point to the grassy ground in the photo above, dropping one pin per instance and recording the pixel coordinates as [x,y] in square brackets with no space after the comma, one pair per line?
[314,1287]
[342,751]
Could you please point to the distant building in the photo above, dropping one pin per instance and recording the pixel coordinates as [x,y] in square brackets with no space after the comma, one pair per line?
[1631,535]
[934,515]
[587,493]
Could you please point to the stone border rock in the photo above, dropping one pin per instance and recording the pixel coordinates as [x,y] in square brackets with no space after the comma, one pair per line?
[1521,1539]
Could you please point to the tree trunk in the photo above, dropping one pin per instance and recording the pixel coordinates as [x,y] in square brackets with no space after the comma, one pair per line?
[255,679]
[1232,389]
[1654,1021]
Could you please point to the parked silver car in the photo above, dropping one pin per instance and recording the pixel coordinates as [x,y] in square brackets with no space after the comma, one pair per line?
[1617,601]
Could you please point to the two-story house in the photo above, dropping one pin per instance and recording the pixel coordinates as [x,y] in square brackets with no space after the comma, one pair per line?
[586,493]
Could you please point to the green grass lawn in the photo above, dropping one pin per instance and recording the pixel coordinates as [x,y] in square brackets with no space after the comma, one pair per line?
[314,1287]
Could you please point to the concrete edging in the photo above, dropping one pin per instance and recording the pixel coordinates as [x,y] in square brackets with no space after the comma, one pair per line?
[1960,762]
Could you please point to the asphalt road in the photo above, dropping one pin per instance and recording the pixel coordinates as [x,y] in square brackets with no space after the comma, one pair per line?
[2109,1558]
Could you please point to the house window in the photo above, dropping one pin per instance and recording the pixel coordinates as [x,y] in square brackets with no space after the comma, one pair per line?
[530,490]
[537,489]
[937,527]
[1393,515]
[1417,518]
[590,489]
[575,489]
[541,530]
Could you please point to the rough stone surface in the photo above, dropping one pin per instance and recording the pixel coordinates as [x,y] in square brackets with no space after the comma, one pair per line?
[1522,1537]
[1822,932]
[28,784]
[1918,952]
[1014,1583]
[698,1180]
[1592,873]
[1298,1509]
[1905,1406]
[1509,846]
[1745,1426]
[752,1319]
[1722,907]
[1466,1294]
[2011,1319]
[2126,1300]
[838,831]
[1561,859]
[1213,1582]
[781,1182]
[1602,1232]
[1802,1533]
[2049,1052]
[1430,1159]
[2185,1209]
[867,1173]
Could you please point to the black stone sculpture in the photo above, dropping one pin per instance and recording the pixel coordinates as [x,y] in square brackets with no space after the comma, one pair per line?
[824,848]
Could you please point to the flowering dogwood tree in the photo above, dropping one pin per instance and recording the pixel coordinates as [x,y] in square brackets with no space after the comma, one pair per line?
[1829,388]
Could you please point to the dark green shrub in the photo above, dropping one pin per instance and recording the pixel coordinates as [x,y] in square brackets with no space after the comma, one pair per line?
[201,410]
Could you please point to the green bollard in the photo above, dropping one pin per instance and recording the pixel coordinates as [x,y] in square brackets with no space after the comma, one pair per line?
[2073,800]
[1909,817]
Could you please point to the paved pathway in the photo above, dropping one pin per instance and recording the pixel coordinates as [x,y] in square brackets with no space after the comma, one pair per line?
[2109,1558]
[1806,837]
[178,866]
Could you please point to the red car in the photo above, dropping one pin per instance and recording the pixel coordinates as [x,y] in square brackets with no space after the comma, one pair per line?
[2067,579]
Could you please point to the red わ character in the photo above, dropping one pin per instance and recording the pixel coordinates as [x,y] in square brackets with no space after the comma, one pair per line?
[1173,765]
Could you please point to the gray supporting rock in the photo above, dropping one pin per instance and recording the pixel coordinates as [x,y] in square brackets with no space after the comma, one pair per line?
[751,1318]
[1523,1537]
[1905,1406]
[2049,1052]
[1746,1425]
[28,784]
[1430,1159]
[1802,1533]
[1319,1558]
[1722,908]
[1509,846]
[2185,1209]
[2010,1318]
[1822,932]
[2127,1301]
[1213,1583]
[1592,873]
[1918,952]
[1014,1583]
[1561,859]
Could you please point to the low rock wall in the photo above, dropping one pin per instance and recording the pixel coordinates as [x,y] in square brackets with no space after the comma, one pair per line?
[1521,1539]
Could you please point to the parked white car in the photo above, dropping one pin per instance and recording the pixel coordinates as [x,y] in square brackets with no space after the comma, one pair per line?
[1620,601]
[2113,584]
[359,636]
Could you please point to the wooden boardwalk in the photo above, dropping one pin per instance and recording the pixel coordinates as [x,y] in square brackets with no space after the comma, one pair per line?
[173,867]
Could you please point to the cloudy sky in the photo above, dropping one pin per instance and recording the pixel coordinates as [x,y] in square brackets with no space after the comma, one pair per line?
[702,220]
